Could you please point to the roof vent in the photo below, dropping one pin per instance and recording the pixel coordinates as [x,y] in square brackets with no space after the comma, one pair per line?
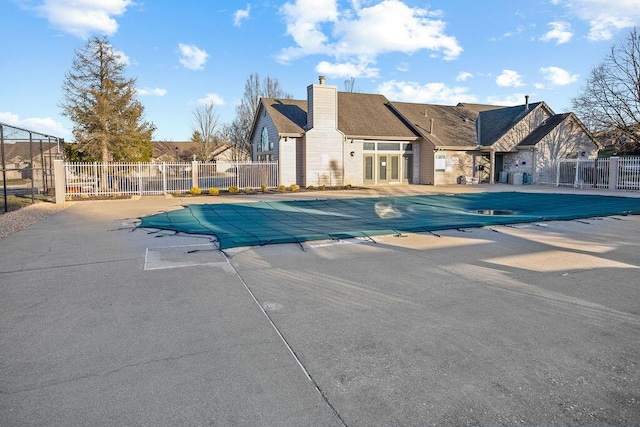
[526,103]
[321,79]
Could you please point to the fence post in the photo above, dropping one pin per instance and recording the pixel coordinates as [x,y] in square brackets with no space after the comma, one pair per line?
[59,181]
[140,178]
[614,165]
[194,173]
[164,178]
[558,163]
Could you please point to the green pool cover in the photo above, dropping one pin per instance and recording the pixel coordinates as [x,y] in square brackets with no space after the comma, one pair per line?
[261,223]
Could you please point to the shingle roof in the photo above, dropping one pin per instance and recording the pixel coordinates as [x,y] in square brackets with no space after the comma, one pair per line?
[543,130]
[478,108]
[363,114]
[372,115]
[21,149]
[359,114]
[495,123]
[453,126]
[288,115]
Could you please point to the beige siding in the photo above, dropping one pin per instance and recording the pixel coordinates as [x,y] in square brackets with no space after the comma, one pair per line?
[426,164]
[324,144]
[288,164]
[353,165]
[457,164]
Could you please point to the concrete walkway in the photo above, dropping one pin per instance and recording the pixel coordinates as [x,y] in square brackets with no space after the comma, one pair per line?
[105,324]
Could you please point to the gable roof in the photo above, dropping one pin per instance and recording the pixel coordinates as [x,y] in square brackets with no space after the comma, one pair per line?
[453,126]
[359,115]
[543,130]
[288,115]
[495,123]
[550,124]
[368,115]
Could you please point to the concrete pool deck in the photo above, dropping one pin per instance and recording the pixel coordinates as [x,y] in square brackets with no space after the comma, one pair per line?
[107,324]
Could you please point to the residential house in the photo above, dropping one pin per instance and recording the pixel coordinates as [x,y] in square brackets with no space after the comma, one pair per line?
[27,160]
[340,138]
[182,151]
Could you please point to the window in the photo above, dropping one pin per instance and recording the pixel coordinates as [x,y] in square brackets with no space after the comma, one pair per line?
[369,146]
[264,140]
[386,146]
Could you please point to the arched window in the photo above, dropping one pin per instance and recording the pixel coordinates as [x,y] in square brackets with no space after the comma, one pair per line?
[265,139]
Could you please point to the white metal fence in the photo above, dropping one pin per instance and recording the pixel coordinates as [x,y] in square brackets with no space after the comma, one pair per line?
[616,173]
[162,178]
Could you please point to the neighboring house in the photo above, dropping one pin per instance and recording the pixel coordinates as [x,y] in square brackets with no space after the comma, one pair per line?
[25,160]
[340,138]
[179,151]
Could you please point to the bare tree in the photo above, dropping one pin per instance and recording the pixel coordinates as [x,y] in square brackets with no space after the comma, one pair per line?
[205,131]
[350,85]
[610,100]
[101,102]
[239,130]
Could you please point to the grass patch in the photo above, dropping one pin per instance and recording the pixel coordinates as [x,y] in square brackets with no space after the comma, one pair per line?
[16,202]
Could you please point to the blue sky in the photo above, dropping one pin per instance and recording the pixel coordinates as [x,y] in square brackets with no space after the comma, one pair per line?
[184,53]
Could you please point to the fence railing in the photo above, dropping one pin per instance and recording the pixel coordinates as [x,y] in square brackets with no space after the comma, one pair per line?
[161,178]
[616,173]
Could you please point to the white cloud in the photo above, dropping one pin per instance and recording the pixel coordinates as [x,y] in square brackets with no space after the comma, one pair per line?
[509,78]
[507,101]
[432,93]
[363,33]
[560,32]
[211,98]
[463,76]
[241,15]
[121,57]
[606,16]
[192,57]
[145,91]
[557,76]
[46,125]
[508,34]
[84,17]
[346,70]
[403,67]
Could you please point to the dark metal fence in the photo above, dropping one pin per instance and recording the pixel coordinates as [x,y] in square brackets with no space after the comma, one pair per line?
[27,165]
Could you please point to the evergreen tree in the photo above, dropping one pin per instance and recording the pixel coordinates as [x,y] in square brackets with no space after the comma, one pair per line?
[101,102]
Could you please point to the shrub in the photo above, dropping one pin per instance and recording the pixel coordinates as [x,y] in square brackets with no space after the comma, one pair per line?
[195,190]
[213,191]
[322,187]
[310,187]
[234,190]
[294,187]
[263,187]
[282,188]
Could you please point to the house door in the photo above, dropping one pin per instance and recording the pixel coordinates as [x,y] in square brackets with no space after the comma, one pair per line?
[498,167]
[369,177]
[407,167]
[388,168]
